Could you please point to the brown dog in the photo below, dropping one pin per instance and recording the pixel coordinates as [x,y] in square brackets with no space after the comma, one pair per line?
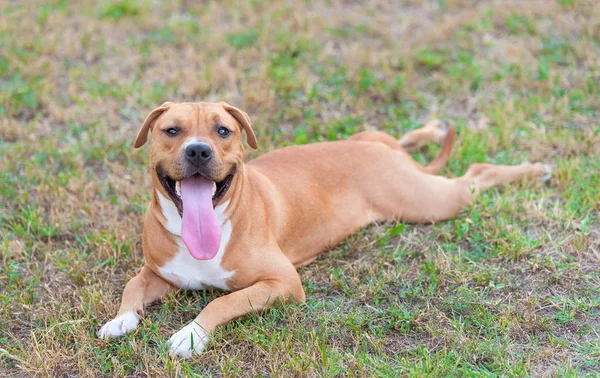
[216,221]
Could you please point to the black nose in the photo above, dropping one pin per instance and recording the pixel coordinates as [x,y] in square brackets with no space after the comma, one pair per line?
[198,153]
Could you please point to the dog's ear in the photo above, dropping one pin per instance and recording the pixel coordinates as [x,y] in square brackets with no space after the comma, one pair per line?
[243,120]
[142,136]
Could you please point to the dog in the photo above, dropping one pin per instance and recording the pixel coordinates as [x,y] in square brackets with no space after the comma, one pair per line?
[216,221]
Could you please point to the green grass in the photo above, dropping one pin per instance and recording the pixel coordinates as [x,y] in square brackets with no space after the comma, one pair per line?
[511,287]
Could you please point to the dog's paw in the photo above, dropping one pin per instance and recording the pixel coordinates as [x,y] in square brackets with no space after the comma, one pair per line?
[439,128]
[439,125]
[543,171]
[119,326]
[547,172]
[189,340]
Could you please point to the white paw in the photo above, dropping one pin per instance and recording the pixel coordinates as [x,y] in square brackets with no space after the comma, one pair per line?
[189,340]
[548,170]
[119,326]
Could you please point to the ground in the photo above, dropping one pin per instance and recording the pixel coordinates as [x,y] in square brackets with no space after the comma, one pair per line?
[510,287]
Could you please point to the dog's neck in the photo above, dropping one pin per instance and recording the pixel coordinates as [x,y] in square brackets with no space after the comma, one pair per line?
[237,193]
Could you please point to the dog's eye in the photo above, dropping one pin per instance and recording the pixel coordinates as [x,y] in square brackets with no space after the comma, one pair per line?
[223,131]
[171,131]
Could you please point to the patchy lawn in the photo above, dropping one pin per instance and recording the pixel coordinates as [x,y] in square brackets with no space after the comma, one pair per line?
[511,287]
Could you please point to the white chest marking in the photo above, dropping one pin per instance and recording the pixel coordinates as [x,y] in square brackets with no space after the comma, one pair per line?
[170,212]
[183,270]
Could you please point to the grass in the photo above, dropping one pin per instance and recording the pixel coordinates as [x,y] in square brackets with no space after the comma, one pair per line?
[511,287]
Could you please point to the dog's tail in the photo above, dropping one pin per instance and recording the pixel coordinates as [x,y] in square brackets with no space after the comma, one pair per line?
[436,166]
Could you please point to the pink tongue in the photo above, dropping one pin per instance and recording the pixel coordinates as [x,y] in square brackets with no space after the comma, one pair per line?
[200,229]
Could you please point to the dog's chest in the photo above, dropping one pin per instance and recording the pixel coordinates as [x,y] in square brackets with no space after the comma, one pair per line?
[183,270]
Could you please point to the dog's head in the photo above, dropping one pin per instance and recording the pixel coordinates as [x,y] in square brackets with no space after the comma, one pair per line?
[195,141]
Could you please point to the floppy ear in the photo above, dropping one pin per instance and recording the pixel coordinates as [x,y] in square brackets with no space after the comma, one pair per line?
[244,120]
[142,136]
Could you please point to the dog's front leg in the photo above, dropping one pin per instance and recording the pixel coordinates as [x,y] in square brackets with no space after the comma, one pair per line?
[144,288]
[194,336]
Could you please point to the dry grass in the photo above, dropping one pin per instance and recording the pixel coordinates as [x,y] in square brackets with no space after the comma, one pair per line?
[509,288]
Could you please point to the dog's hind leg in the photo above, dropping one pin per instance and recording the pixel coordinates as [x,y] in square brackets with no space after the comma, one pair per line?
[421,198]
[434,131]
[484,176]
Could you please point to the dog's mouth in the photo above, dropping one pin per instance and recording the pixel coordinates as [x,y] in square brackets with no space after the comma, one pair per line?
[196,197]
[173,187]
